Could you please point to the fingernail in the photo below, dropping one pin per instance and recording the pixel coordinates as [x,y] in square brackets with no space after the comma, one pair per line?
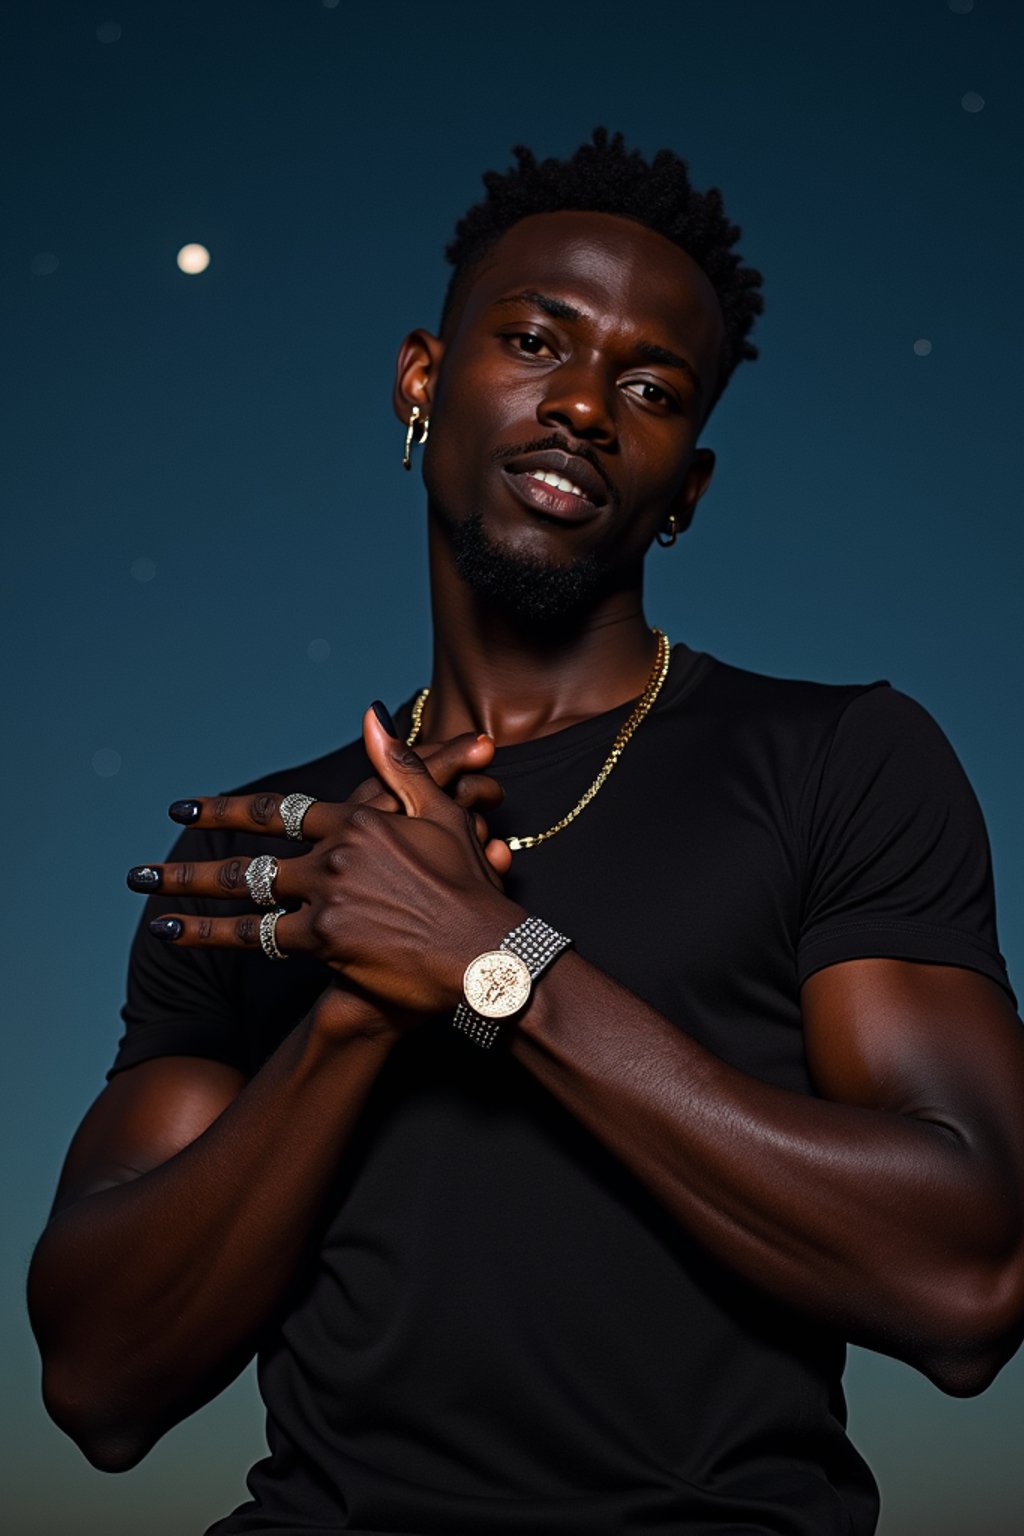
[185,811]
[142,878]
[384,718]
[485,736]
[166,927]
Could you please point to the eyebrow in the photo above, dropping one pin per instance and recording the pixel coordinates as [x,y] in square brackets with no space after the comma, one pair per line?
[560,310]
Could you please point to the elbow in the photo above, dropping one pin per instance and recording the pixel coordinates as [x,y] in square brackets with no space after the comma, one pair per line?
[111,1455]
[979,1334]
[107,1445]
[80,1393]
[962,1373]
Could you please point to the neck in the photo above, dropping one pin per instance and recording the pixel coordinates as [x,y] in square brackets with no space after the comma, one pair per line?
[518,680]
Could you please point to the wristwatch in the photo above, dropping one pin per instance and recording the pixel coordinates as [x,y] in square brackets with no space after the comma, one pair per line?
[497,983]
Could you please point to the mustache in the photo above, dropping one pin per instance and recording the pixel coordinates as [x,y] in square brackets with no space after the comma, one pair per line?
[554,440]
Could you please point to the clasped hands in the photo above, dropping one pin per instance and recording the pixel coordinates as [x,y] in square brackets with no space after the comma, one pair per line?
[402,886]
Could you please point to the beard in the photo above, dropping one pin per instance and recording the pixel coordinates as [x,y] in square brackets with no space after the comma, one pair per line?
[524,586]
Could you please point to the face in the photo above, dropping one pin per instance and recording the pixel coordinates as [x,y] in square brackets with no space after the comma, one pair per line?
[586,348]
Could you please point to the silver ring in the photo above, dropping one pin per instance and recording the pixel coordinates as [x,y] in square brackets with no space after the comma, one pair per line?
[260,877]
[293,808]
[268,934]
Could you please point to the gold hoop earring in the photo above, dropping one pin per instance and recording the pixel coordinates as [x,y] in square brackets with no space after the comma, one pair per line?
[673,533]
[411,437]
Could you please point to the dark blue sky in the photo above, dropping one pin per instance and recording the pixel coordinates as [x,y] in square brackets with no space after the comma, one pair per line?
[181,453]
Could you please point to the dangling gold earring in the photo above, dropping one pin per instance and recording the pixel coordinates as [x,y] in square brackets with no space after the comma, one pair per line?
[673,533]
[411,437]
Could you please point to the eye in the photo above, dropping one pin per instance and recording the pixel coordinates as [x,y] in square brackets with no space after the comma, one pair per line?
[651,393]
[528,342]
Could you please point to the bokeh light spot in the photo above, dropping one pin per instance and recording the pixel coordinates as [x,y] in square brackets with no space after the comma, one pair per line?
[193,259]
[329,5]
[972,102]
[109,32]
[318,650]
[961,7]
[106,762]
[922,346]
[43,264]
[143,569]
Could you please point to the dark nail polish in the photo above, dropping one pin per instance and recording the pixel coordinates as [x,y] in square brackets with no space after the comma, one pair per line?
[384,718]
[143,878]
[184,811]
[166,927]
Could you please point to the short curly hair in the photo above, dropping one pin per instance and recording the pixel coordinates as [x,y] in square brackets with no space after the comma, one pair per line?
[603,176]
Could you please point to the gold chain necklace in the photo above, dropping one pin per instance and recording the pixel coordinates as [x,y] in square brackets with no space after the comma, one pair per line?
[643,704]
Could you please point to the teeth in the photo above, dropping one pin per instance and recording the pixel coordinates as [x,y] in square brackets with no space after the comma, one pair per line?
[558,481]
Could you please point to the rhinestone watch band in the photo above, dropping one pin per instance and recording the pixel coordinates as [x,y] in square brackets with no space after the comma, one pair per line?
[534,942]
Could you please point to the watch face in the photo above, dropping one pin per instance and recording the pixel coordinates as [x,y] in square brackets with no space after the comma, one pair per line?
[496,984]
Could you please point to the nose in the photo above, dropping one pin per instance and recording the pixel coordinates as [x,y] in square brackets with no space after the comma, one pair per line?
[577,400]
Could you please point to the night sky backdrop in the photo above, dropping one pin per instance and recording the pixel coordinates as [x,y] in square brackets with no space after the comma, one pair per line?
[188,456]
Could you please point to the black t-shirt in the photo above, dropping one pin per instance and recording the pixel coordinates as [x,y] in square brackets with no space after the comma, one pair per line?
[498,1329]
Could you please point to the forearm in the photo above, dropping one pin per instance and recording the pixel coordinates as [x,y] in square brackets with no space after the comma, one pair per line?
[880,1224]
[147,1297]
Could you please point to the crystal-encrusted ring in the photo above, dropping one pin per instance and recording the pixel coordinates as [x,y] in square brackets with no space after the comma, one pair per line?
[293,808]
[260,877]
[268,934]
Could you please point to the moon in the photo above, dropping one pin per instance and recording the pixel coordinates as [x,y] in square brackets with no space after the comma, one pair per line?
[193,259]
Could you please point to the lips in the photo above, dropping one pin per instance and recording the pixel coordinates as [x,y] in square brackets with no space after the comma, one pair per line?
[568,467]
[547,502]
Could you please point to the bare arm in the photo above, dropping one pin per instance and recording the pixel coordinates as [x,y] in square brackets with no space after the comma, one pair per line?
[185,1204]
[188,1195]
[890,1208]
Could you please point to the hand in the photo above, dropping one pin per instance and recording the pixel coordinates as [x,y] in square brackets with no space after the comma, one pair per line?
[372,910]
[455,765]
[416,898]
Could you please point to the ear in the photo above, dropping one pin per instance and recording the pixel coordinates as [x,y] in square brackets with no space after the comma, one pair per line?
[419,358]
[698,478]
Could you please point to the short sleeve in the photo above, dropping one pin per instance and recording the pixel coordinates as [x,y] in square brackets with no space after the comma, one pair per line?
[181,1002]
[898,860]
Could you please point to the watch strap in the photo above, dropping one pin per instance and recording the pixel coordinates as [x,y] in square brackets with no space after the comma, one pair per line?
[534,942]
[481,1031]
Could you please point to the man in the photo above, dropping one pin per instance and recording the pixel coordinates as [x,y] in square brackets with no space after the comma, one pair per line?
[736,1075]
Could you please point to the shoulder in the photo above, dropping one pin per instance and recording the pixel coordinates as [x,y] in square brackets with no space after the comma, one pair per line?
[792,698]
[812,734]
[873,710]
[796,713]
